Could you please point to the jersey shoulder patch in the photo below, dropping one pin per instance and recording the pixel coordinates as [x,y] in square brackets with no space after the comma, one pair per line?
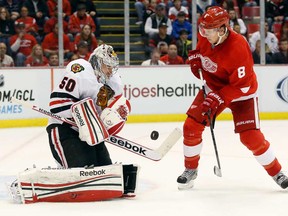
[76,68]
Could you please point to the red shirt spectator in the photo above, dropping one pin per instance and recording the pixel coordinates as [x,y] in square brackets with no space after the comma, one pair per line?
[36,58]
[52,4]
[79,19]
[50,42]
[30,22]
[87,35]
[22,42]
[50,23]
[172,57]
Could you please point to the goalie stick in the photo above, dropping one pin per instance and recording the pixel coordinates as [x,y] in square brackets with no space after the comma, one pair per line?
[136,148]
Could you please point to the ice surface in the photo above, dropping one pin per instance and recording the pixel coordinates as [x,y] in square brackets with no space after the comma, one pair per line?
[244,189]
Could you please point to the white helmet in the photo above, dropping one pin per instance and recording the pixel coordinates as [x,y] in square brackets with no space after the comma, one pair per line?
[104,54]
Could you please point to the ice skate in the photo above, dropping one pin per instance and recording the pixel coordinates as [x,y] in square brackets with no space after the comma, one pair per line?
[281,180]
[14,192]
[185,180]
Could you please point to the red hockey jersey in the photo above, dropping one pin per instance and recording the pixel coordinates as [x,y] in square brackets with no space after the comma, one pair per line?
[228,67]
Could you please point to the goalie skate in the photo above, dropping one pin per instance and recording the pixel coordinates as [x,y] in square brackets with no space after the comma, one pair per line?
[281,180]
[14,192]
[186,179]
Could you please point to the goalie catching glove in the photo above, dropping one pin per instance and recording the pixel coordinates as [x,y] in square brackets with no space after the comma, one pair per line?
[115,114]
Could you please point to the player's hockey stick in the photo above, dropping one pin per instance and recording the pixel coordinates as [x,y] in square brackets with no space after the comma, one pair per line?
[217,170]
[136,148]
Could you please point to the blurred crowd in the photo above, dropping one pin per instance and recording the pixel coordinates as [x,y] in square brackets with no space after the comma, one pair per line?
[167,31]
[29,30]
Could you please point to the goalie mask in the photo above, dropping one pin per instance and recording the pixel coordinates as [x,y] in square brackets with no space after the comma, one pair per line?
[104,62]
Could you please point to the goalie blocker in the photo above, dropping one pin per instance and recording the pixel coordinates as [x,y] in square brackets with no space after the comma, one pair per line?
[75,184]
[93,128]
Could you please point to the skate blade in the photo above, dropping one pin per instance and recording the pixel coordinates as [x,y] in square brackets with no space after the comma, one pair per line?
[186,186]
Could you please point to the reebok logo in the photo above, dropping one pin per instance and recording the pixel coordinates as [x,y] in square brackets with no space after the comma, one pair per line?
[127,145]
[81,122]
[93,172]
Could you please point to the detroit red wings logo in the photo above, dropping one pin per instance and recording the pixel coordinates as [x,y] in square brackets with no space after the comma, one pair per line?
[208,64]
[76,68]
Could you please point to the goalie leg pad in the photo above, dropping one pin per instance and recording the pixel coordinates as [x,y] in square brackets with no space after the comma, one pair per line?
[91,128]
[70,185]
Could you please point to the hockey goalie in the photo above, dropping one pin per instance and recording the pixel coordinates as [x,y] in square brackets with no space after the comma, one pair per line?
[89,94]
[87,183]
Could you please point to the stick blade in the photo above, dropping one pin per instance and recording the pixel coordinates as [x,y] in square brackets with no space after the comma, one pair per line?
[169,142]
[217,171]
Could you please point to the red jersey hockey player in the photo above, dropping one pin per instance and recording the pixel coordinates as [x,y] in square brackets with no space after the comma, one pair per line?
[225,59]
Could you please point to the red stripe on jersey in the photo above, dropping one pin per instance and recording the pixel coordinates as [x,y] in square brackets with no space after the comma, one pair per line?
[58,147]
[102,127]
[88,125]
[60,102]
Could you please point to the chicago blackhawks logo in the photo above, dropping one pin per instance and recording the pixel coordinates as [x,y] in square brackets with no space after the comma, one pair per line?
[282,89]
[76,68]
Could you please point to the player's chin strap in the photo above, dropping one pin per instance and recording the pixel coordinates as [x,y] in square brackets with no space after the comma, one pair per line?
[221,36]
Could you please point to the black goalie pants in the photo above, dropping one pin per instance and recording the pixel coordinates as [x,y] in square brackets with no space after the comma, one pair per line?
[69,151]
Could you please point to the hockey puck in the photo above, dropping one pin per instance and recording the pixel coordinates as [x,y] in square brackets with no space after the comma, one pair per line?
[154,135]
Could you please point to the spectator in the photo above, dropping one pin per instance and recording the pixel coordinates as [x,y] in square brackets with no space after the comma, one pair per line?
[163,48]
[53,60]
[140,7]
[203,4]
[276,11]
[78,19]
[50,23]
[229,4]
[83,50]
[235,20]
[30,23]
[21,44]
[270,39]
[284,30]
[281,57]
[6,27]
[88,36]
[39,10]
[149,10]
[179,24]
[172,58]
[236,28]
[73,57]
[250,3]
[50,43]
[152,22]
[159,37]
[13,7]
[256,54]
[155,59]
[67,11]
[5,60]
[183,44]
[36,58]
[173,11]
[90,9]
